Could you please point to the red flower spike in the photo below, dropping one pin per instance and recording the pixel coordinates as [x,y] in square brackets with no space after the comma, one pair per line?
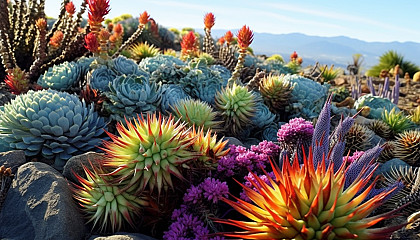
[92,43]
[118,29]
[209,20]
[294,55]
[144,18]
[245,37]
[221,41]
[17,81]
[70,9]
[97,11]
[41,24]
[55,40]
[189,43]
[228,37]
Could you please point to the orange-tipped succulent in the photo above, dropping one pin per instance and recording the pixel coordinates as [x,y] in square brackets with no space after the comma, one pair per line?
[245,37]
[149,151]
[209,20]
[308,202]
[228,37]
[56,39]
[189,44]
[97,11]
[92,43]
[104,203]
[17,81]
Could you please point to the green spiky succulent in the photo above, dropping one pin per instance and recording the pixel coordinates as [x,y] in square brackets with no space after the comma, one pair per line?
[237,105]
[407,147]
[276,92]
[104,202]
[396,120]
[415,115]
[61,77]
[389,60]
[56,125]
[149,152]
[329,74]
[131,95]
[140,51]
[195,113]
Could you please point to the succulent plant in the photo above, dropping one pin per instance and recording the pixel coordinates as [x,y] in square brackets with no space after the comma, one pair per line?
[17,81]
[84,64]
[236,106]
[99,78]
[105,203]
[223,71]
[61,77]
[211,149]
[310,202]
[131,95]
[308,97]
[328,74]
[195,113]
[54,124]
[358,138]
[127,66]
[276,92]
[381,129]
[396,120]
[140,51]
[415,115]
[201,82]
[153,63]
[407,147]
[340,93]
[171,94]
[148,152]
[376,104]
[263,116]
[388,151]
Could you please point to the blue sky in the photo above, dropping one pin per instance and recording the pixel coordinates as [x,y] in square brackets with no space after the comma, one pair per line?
[369,20]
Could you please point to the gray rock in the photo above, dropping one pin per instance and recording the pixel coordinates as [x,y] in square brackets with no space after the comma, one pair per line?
[388,165]
[12,159]
[75,164]
[39,205]
[123,236]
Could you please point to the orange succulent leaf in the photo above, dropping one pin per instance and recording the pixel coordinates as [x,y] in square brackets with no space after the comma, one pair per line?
[189,43]
[209,20]
[228,37]
[56,39]
[41,24]
[308,202]
[70,8]
[118,29]
[245,37]
[97,11]
[144,18]
[92,43]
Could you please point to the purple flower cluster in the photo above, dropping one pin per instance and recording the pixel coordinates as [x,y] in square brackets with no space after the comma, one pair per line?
[250,178]
[356,155]
[186,227]
[297,129]
[210,189]
[241,159]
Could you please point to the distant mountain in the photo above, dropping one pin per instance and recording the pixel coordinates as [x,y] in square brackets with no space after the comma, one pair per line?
[328,50]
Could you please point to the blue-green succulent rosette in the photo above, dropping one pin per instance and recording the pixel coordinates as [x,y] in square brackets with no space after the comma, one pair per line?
[61,77]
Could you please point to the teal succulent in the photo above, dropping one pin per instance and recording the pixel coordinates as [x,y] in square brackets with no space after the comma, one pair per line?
[99,78]
[127,66]
[56,125]
[223,71]
[307,98]
[270,132]
[201,82]
[61,77]
[376,104]
[263,116]
[84,64]
[171,94]
[151,64]
[131,95]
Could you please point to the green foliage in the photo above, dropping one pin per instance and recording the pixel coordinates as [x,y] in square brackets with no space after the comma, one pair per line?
[140,51]
[276,58]
[389,60]
[195,113]
[396,120]
[56,125]
[328,74]
[415,115]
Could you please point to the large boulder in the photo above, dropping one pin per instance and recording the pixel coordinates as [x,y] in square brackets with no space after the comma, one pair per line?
[39,205]
[75,164]
[123,236]
[12,159]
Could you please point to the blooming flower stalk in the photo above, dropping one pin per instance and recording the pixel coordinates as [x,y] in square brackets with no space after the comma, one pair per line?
[245,37]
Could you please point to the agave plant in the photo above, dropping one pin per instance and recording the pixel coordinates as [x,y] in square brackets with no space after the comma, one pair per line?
[195,113]
[329,74]
[148,152]
[131,95]
[104,202]
[389,60]
[397,121]
[61,77]
[54,124]
[310,202]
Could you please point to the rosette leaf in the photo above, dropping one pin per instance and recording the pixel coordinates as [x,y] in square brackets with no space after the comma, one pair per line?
[99,78]
[127,66]
[171,94]
[61,77]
